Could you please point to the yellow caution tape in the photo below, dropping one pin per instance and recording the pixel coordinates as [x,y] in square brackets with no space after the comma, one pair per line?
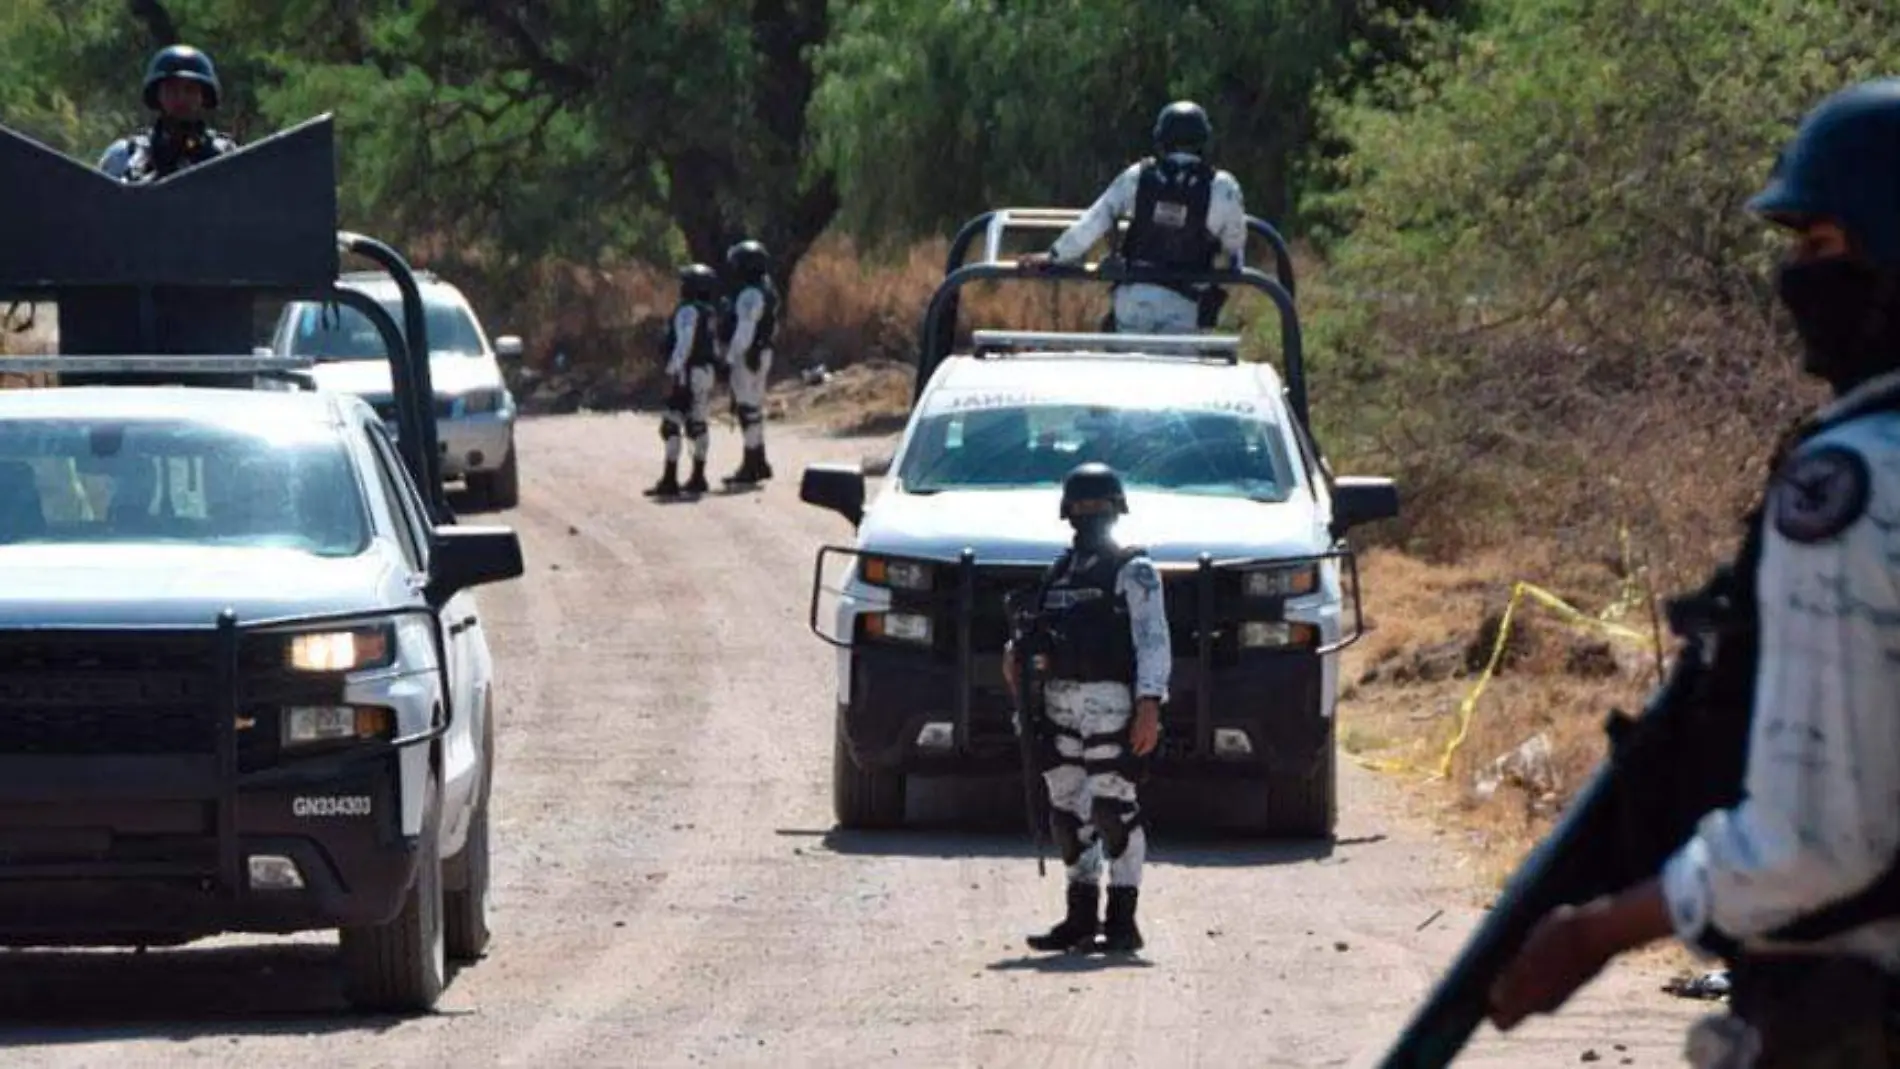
[1601,623]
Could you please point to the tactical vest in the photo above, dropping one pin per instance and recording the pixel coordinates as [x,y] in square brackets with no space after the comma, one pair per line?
[705,325]
[1169,225]
[763,334]
[154,157]
[1086,620]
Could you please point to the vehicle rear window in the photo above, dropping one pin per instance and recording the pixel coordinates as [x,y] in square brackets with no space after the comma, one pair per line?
[1221,453]
[73,481]
[343,333]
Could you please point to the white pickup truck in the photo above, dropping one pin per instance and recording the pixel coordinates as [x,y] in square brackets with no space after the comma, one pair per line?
[1226,489]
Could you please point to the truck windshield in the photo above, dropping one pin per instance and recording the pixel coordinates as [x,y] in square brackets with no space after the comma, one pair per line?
[1016,447]
[77,481]
[343,333]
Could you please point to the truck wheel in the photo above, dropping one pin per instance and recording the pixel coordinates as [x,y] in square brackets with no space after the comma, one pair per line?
[401,966]
[863,797]
[501,488]
[465,904]
[504,487]
[1306,805]
[465,911]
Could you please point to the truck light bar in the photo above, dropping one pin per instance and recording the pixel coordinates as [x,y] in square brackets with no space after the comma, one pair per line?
[153,365]
[990,342]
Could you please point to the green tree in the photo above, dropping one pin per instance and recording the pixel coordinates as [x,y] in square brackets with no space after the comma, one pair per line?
[930,113]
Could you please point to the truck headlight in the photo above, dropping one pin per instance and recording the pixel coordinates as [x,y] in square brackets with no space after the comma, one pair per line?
[898,574]
[898,627]
[1278,634]
[1282,582]
[477,402]
[358,649]
[309,725]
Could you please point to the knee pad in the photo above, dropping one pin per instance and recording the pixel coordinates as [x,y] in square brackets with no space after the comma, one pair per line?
[750,415]
[1114,820]
[1067,832]
[695,428]
[669,429]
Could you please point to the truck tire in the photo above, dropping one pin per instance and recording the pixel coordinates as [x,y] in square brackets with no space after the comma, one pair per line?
[863,797]
[465,904]
[1305,805]
[402,966]
[498,489]
[504,484]
[465,910]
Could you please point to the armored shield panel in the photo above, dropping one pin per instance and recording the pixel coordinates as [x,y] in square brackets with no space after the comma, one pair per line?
[176,265]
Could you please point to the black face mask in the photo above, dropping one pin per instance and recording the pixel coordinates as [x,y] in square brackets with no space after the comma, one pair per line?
[1848,315]
[1092,531]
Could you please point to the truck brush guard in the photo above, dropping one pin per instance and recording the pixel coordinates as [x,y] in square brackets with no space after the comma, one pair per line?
[232,671]
[945,593]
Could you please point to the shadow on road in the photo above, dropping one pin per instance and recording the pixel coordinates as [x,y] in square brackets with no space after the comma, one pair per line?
[1069,963]
[50,997]
[953,818]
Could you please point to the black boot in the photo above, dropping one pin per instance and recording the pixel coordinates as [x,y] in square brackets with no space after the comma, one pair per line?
[1077,930]
[669,484]
[761,470]
[748,472]
[1119,933]
[696,484]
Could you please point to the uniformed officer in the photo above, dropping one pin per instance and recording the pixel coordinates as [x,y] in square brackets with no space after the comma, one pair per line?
[749,327]
[1182,213]
[692,353]
[181,86]
[1101,638]
[1797,885]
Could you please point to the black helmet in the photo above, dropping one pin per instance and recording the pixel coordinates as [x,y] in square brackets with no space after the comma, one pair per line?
[181,61]
[1182,127]
[699,283]
[748,261]
[1844,165]
[1093,481]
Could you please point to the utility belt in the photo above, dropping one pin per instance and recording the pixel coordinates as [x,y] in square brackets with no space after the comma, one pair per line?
[1800,1011]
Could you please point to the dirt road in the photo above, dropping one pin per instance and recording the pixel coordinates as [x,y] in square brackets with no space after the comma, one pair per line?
[671,891]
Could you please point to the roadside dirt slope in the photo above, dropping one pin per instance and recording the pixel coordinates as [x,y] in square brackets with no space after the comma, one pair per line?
[671,890]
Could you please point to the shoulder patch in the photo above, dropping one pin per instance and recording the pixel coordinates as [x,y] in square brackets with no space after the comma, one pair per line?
[1818,493]
[1141,571]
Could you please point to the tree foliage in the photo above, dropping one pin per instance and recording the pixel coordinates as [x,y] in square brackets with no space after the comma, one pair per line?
[930,113]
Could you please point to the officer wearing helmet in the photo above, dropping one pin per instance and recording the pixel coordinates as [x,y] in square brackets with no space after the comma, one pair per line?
[1098,629]
[749,327]
[692,358]
[181,87]
[1182,214]
[1798,885]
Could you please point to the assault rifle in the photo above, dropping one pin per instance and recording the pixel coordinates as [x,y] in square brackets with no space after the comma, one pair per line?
[1681,757]
[1029,641]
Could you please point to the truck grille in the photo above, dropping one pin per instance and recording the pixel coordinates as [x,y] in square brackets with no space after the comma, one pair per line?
[444,409]
[989,626]
[131,693]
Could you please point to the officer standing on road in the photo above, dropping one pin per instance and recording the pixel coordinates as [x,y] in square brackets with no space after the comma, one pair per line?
[747,334]
[1181,212]
[1796,885]
[181,86]
[1101,640]
[692,354]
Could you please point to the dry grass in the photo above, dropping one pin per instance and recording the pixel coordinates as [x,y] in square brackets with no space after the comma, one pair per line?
[1431,632]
